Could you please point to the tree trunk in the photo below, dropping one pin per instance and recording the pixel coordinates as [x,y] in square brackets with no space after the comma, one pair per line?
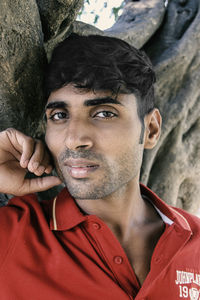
[168,32]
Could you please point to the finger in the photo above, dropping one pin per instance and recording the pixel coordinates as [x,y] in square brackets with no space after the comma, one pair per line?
[11,142]
[40,184]
[49,169]
[37,157]
[47,162]
[28,145]
[40,161]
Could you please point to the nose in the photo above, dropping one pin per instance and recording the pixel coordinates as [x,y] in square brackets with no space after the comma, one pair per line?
[78,135]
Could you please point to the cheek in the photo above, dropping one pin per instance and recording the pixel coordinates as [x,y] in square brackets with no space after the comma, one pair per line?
[115,147]
[125,150]
[121,137]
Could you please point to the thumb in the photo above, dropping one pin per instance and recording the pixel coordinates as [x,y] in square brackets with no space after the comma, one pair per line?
[40,184]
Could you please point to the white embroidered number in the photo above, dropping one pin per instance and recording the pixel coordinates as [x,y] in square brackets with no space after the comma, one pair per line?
[183,291]
[192,293]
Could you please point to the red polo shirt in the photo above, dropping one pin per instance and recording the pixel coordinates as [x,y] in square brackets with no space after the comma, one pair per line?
[50,250]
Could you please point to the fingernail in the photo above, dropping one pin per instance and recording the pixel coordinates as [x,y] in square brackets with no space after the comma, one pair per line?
[48,169]
[35,165]
[41,169]
[25,163]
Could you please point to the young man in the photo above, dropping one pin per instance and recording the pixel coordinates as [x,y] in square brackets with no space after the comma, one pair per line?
[104,236]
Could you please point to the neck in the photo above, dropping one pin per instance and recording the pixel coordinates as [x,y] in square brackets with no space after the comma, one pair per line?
[123,211]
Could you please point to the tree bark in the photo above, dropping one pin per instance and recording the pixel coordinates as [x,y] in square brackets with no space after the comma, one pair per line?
[168,32]
[22,59]
[173,168]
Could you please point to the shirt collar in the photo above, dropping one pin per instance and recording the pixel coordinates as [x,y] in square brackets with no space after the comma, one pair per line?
[169,214]
[65,213]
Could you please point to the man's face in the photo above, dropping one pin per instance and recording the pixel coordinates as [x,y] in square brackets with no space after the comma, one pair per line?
[94,140]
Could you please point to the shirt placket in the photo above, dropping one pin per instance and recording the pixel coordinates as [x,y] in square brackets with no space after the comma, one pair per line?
[109,248]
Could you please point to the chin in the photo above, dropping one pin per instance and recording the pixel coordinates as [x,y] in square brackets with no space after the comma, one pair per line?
[89,191]
[81,195]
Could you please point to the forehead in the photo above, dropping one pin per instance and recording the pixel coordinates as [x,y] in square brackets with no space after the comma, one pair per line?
[70,96]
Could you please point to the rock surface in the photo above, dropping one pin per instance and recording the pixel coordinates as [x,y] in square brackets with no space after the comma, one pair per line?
[21,65]
[173,168]
[139,21]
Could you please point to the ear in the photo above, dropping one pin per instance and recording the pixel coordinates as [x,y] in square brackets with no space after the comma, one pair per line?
[152,123]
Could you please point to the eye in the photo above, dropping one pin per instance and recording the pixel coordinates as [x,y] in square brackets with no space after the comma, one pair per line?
[105,115]
[58,116]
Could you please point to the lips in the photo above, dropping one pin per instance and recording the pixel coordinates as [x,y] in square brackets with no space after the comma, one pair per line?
[80,168]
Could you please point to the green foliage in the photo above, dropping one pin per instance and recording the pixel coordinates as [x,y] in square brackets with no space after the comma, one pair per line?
[102,8]
[115,10]
[96,18]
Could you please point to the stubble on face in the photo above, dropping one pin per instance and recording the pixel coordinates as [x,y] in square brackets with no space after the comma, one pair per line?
[111,176]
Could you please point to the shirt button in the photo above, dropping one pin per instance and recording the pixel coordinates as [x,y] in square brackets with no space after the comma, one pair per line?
[118,260]
[96,226]
[158,259]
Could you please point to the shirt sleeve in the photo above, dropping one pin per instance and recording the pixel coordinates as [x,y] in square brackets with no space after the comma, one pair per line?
[13,218]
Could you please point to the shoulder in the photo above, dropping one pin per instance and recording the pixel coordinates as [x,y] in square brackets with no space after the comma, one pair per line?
[21,212]
[19,207]
[22,220]
[16,208]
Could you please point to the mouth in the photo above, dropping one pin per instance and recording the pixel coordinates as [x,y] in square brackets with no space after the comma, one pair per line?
[80,168]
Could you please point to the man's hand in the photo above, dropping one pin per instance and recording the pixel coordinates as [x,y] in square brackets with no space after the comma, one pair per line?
[19,154]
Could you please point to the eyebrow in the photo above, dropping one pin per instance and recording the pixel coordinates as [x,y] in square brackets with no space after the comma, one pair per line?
[56,104]
[89,102]
[99,101]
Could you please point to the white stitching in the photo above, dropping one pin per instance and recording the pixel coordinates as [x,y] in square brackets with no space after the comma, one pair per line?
[182,218]
[54,214]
